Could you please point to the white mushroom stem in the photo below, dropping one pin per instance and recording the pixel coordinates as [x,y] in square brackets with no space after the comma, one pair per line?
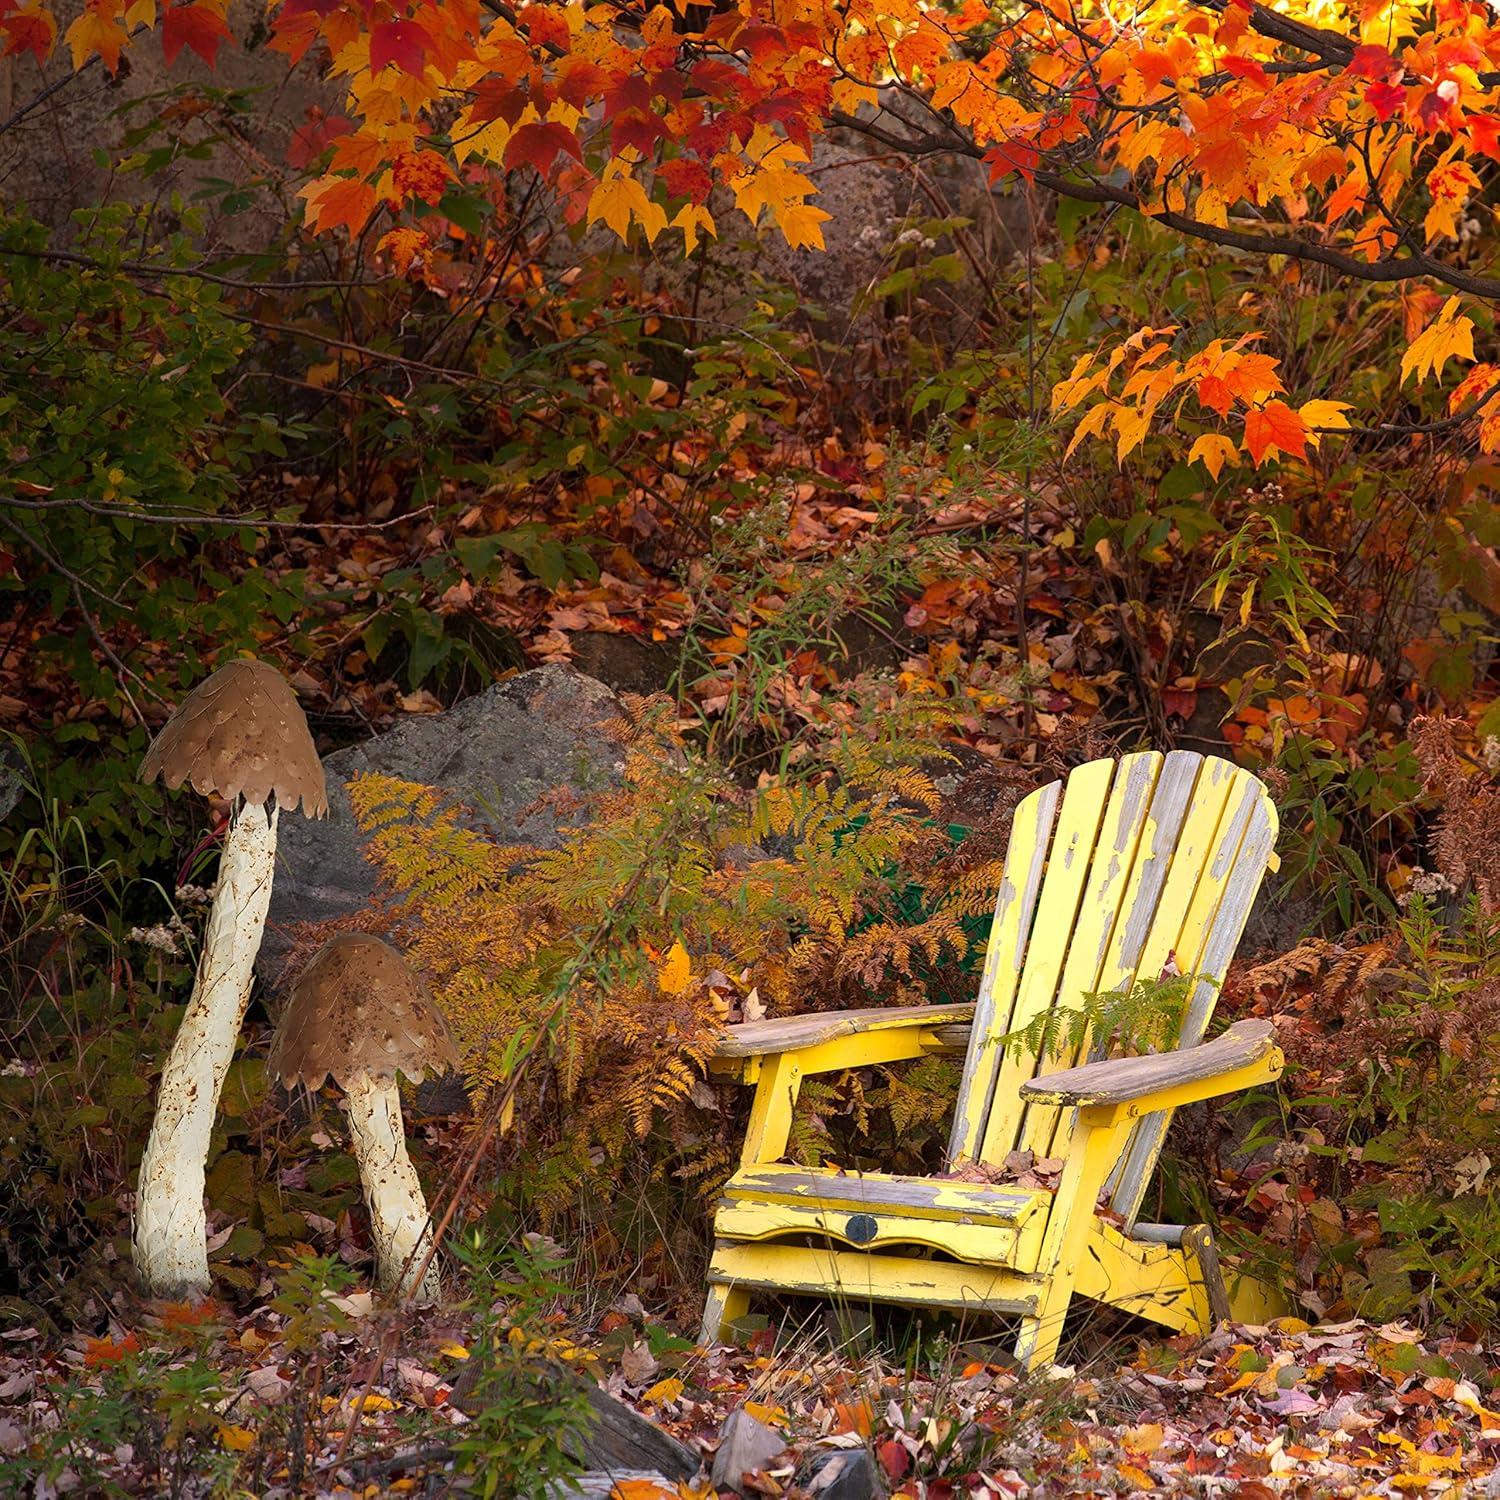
[171,1231]
[399,1223]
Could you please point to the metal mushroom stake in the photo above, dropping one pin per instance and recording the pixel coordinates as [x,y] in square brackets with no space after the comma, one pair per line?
[239,735]
[359,1013]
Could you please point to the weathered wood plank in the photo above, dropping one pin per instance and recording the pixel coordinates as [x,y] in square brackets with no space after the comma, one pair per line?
[1122,1080]
[855,1276]
[788,1033]
[1084,941]
[1025,858]
[853,1224]
[1046,1130]
[1068,865]
[1241,855]
[982,1202]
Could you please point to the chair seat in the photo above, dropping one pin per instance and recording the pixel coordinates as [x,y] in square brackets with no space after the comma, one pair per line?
[971,1221]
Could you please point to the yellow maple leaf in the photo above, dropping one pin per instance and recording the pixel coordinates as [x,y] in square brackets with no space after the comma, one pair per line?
[619,198]
[1131,426]
[1447,335]
[676,970]
[94,32]
[1214,450]
[663,1392]
[237,1439]
[802,224]
[1323,414]
[690,218]
[1093,424]
[774,187]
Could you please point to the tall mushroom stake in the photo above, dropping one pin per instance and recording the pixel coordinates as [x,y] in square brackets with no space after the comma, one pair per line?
[359,1013]
[240,735]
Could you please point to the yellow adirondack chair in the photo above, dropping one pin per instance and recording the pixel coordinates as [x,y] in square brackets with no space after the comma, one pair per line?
[1132,865]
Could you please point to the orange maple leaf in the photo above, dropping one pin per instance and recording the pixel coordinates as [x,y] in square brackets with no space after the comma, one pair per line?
[1274,428]
[332,201]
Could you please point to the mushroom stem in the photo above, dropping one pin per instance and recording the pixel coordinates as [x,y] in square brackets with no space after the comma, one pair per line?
[171,1231]
[399,1223]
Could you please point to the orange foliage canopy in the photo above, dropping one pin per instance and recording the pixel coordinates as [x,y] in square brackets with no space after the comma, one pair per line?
[1355,133]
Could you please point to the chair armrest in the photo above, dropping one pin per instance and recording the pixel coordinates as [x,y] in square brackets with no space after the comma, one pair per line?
[911,1031]
[1246,1054]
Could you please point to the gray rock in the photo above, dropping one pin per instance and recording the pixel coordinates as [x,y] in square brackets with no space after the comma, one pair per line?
[847,1475]
[12,780]
[496,753]
[746,1443]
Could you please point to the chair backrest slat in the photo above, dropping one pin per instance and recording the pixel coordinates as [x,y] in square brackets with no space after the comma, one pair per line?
[1137,914]
[1015,905]
[1069,939]
[1138,862]
[1242,852]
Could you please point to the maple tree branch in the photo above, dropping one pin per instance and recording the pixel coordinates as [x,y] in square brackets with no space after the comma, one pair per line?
[201,518]
[194,273]
[1409,267]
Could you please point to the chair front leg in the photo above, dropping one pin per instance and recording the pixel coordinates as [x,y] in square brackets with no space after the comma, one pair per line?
[1092,1152]
[771,1113]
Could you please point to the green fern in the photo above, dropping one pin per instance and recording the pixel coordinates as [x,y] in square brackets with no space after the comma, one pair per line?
[1147,1017]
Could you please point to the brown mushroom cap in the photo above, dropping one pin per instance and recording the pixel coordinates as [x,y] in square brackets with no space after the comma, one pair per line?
[241,733]
[359,1008]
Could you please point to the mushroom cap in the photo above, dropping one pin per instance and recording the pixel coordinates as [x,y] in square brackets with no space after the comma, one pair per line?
[359,1008]
[241,733]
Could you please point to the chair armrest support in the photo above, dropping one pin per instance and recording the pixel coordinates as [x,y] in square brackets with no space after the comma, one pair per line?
[1245,1055]
[828,1041]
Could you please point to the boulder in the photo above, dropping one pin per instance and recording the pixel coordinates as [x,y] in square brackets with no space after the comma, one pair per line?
[495,753]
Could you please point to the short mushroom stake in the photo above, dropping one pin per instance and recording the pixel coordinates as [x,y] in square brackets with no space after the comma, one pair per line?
[359,1013]
[239,735]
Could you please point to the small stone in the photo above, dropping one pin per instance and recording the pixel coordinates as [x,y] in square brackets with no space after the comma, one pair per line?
[847,1475]
[746,1443]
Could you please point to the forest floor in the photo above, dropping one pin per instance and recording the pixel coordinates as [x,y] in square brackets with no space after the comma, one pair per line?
[1344,1409]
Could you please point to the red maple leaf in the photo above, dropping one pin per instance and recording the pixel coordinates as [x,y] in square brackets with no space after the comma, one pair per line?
[1011,156]
[1484,133]
[30,31]
[403,43]
[638,128]
[630,92]
[580,81]
[1385,99]
[498,99]
[195,26]
[546,26]
[1370,61]
[1244,67]
[311,140]
[539,144]
[686,177]
[894,1458]
[421,174]
[1213,392]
